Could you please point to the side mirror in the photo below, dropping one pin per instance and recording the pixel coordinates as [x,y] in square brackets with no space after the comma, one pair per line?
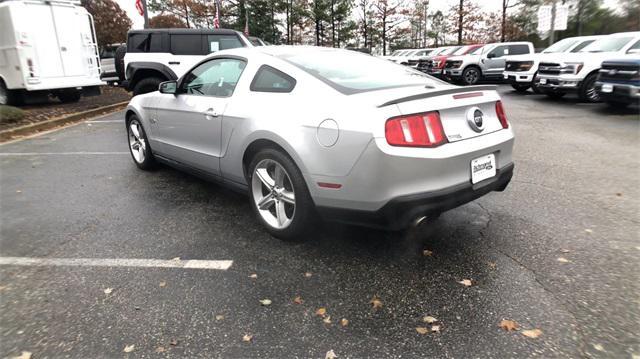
[491,55]
[170,87]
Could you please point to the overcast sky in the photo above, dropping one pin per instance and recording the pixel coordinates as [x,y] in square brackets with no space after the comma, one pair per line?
[487,5]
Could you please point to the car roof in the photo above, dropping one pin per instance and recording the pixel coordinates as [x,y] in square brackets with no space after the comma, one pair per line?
[187,31]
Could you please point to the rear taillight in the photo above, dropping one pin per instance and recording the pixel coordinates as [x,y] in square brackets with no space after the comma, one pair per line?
[419,130]
[501,115]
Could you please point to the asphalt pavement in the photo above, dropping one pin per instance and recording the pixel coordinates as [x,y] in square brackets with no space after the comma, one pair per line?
[557,251]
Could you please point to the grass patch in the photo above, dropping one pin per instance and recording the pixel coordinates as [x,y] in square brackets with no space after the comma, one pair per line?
[9,114]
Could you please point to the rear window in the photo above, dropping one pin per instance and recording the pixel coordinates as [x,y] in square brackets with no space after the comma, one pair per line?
[155,43]
[352,72]
[222,42]
[137,43]
[186,44]
[608,44]
[268,79]
[518,49]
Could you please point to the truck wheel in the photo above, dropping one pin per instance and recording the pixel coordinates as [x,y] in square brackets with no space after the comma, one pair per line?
[4,94]
[147,85]
[520,87]
[471,75]
[618,105]
[118,61]
[588,92]
[69,95]
[535,85]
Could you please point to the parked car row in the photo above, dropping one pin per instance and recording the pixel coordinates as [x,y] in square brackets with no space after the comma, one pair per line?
[604,67]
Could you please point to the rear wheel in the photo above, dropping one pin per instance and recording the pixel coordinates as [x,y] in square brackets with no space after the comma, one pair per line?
[139,144]
[279,195]
[471,75]
[4,94]
[146,85]
[588,92]
[521,87]
[69,95]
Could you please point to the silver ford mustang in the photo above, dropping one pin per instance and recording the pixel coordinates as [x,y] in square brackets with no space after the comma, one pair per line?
[308,131]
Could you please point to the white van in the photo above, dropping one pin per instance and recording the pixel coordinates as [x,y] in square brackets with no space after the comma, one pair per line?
[47,47]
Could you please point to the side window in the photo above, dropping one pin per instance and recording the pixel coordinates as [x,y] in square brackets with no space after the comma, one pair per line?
[217,77]
[268,79]
[499,51]
[518,49]
[222,42]
[155,43]
[635,48]
[582,45]
[186,44]
[137,43]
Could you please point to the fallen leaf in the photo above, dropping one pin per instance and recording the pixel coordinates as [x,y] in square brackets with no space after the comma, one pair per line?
[129,348]
[265,301]
[435,328]
[508,325]
[327,319]
[160,350]
[376,302]
[175,259]
[298,300]
[465,282]
[598,347]
[422,330]
[344,322]
[19,191]
[427,253]
[247,338]
[23,355]
[563,260]
[174,342]
[619,194]
[588,230]
[163,284]
[108,291]
[492,265]
[532,333]
[429,319]
[307,274]
[219,317]
[253,276]
[321,312]
[564,250]
[330,355]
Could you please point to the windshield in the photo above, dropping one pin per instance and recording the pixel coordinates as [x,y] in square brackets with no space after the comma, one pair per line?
[478,51]
[255,41]
[560,46]
[351,72]
[608,44]
[461,51]
[450,50]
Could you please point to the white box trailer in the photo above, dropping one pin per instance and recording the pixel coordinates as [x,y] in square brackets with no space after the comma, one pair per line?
[47,47]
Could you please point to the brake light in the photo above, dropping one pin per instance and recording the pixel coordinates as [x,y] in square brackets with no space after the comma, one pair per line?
[419,130]
[501,115]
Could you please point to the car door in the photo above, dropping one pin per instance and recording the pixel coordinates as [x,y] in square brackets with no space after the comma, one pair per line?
[188,124]
[495,61]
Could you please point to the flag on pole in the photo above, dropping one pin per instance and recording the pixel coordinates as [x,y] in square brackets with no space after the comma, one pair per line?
[139,7]
[216,21]
[246,23]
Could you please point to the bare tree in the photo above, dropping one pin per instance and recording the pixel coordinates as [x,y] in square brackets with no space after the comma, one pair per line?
[506,4]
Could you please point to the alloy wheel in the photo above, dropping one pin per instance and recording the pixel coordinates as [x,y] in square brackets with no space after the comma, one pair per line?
[137,142]
[592,94]
[273,194]
[471,76]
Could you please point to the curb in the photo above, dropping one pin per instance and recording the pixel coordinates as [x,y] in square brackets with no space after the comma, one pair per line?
[12,133]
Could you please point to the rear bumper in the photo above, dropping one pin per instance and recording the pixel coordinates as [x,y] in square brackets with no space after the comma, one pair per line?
[399,212]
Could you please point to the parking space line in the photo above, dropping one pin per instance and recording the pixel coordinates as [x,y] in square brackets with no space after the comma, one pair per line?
[118,262]
[105,121]
[7,154]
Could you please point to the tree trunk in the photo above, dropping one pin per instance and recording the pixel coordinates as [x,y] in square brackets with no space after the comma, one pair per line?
[460,15]
[333,24]
[384,34]
[315,15]
[504,19]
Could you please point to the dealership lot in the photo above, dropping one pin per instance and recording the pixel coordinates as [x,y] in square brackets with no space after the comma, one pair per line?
[95,256]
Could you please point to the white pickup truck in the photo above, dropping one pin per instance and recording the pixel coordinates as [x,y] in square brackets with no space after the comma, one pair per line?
[520,70]
[47,47]
[559,74]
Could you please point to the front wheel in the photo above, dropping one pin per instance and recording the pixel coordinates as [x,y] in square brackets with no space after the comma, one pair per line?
[279,195]
[471,75]
[588,92]
[520,87]
[150,84]
[139,144]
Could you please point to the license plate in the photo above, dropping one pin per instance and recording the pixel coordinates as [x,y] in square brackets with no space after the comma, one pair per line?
[506,77]
[607,88]
[482,168]
[543,81]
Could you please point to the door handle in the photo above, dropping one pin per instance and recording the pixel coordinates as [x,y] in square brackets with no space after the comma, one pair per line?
[174,62]
[211,113]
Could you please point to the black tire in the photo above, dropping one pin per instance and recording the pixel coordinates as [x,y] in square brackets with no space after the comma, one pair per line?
[471,75]
[302,223]
[149,161]
[588,92]
[5,94]
[147,85]
[69,95]
[535,85]
[119,61]
[555,95]
[617,105]
[521,87]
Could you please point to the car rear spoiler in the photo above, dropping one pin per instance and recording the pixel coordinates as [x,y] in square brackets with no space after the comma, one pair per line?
[449,91]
